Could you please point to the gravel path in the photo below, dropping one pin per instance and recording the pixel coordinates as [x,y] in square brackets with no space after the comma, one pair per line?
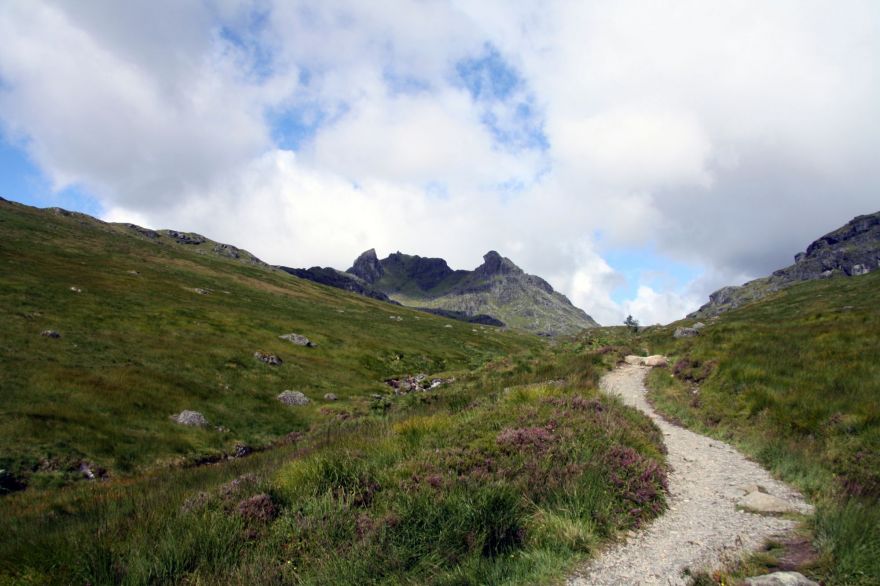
[702,527]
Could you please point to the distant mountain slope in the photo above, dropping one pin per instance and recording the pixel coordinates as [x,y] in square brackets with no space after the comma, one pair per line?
[110,329]
[851,250]
[496,288]
[339,279]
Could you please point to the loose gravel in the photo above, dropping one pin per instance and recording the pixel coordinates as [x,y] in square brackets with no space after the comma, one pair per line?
[703,528]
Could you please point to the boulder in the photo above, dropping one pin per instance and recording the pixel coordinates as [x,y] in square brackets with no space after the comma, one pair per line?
[685,333]
[50,334]
[781,579]
[656,360]
[297,339]
[293,398]
[765,504]
[242,450]
[190,418]
[330,397]
[635,360]
[698,326]
[269,359]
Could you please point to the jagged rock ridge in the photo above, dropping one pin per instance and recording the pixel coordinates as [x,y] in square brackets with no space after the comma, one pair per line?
[497,288]
[851,250]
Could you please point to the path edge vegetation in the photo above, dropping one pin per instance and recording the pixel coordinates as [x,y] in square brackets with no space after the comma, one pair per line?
[793,381]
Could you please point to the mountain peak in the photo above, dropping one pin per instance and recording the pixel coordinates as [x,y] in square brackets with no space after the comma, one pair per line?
[495,264]
[367,266]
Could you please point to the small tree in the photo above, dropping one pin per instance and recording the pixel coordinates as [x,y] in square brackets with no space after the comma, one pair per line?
[631,323]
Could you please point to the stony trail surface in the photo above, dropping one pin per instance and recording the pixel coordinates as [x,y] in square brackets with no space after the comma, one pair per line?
[703,527]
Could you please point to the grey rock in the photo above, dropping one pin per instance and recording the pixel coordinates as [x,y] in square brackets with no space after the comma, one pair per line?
[656,361]
[367,267]
[293,398]
[297,339]
[76,289]
[190,418]
[241,450]
[269,359]
[634,360]
[151,234]
[50,334]
[330,397]
[698,326]
[765,504]
[781,579]
[685,333]
[201,291]
[186,237]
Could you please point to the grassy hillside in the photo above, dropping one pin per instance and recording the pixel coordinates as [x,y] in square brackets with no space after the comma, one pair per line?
[795,380]
[508,475]
[140,342]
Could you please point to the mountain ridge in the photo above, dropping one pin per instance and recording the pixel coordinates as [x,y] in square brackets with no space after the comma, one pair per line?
[497,288]
[851,250]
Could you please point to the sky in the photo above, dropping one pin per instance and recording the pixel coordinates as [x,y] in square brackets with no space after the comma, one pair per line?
[636,154]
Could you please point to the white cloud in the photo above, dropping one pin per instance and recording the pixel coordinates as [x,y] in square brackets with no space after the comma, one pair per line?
[725,135]
[650,307]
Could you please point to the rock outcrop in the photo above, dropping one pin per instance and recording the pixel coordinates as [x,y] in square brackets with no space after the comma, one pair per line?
[338,279]
[852,250]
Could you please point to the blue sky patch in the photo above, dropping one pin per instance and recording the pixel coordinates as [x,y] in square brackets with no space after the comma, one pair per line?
[488,77]
[644,266]
[247,40]
[22,181]
[509,113]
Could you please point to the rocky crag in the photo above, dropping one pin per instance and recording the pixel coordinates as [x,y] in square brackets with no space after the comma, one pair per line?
[852,250]
[497,288]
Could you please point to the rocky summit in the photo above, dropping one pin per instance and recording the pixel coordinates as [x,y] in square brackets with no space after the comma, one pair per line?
[496,291]
[851,250]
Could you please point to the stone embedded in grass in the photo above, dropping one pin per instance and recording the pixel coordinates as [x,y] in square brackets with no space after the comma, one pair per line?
[330,397]
[395,317]
[269,359]
[91,471]
[293,398]
[416,383]
[76,289]
[201,291]
[241,450]
[190,418]
[781,579]
[298,339]
[50,334]
[686,333]
[656,360]
[634,360]
[698,326]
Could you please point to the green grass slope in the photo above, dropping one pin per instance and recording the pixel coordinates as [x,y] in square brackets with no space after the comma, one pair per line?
[508,475]
[140,343]
[795,381]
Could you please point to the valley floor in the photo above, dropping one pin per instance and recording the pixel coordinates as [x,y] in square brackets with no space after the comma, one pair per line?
[703,527]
